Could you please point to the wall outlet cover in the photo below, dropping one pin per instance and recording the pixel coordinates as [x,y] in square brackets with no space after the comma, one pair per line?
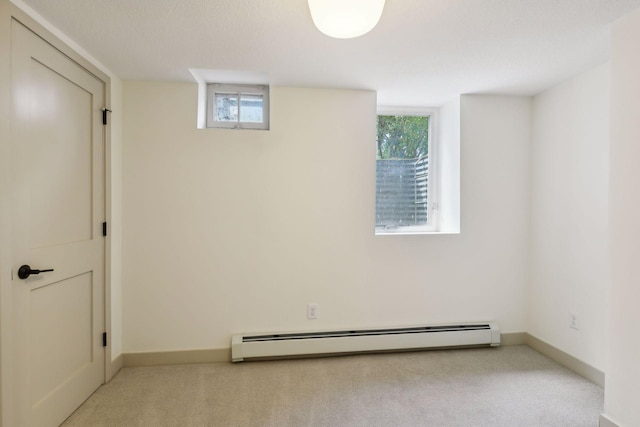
[573,321]
[312,311]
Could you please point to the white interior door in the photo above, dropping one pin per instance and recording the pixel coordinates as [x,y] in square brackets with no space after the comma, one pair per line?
[58,210]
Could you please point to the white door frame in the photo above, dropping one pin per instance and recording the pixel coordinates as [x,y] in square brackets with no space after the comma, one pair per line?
[9,11]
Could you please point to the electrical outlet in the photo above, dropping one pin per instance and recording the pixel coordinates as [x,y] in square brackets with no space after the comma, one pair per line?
[312,311]
[573,321]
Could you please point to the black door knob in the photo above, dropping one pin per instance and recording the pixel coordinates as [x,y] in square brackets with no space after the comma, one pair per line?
[26,271]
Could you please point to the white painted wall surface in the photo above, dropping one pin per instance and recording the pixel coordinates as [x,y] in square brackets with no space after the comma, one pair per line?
[569,214]
[115,226]
[495,136]
[449,164]
[236,231]
[623,348]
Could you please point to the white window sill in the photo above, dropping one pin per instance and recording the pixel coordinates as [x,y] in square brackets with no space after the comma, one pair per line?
[413,233]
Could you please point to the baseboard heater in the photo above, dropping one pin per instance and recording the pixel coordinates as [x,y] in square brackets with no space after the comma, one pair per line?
[362,340]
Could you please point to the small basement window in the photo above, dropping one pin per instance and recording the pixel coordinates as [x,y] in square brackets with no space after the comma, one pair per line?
[406,194]
[237,106]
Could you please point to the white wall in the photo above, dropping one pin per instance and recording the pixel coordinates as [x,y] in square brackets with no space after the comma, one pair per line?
[622,368]
[570,178]
[449,166]
[495,134]
[236,231]
[115,217]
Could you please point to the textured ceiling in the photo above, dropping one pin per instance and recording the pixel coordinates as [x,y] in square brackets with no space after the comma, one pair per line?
[422,53]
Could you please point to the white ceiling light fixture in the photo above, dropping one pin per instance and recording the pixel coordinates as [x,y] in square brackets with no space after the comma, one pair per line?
[345,19]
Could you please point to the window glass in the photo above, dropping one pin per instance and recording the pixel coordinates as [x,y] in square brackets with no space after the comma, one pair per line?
[402,174]
[226,107]
[251,107]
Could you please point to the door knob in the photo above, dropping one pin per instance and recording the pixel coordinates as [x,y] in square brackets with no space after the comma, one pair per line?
[26,271]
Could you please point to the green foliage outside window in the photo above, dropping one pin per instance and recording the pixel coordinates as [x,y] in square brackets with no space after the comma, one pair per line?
[402,137]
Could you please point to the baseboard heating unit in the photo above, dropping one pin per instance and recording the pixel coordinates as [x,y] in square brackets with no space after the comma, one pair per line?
[362,340]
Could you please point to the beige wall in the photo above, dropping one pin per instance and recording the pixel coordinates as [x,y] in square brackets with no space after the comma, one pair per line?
[236,231]
[623,345]
[570,177]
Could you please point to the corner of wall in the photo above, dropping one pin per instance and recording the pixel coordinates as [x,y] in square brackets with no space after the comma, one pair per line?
[623,350]
[116,216]
[568,259]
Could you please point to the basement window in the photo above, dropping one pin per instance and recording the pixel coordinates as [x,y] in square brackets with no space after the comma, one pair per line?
[406,194]
[237,106]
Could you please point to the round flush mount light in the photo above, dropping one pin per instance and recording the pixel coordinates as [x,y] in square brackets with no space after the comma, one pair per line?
[345,19]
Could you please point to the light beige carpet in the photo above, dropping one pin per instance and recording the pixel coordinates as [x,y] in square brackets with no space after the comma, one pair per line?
[507,386]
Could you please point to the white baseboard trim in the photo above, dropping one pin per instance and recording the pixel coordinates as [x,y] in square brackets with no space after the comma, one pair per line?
[606,421]
[513,338]
[116,365]
[576,365]
[181,357]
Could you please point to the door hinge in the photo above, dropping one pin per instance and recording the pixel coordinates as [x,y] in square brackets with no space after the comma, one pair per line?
[104,115]
[104,228]
[104,339]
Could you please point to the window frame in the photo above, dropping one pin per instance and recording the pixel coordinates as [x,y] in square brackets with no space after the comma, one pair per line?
[239,90]
[433,183]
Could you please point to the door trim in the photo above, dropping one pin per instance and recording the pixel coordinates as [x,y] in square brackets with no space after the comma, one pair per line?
[9,12]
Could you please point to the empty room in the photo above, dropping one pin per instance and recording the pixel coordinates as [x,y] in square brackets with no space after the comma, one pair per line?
[319,213]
